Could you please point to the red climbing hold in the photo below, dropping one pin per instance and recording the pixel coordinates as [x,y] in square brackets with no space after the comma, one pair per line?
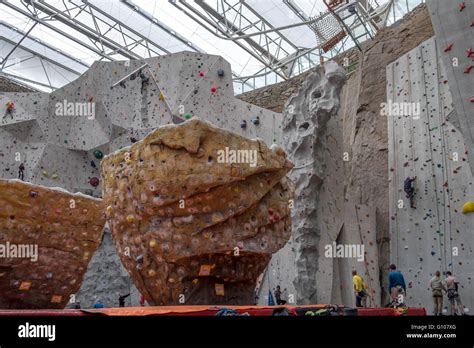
[472,100]
[469,52]
[213,89]
[472,22]
[462,6]
[449,48]
[201,74]
[94,181]
[468,69]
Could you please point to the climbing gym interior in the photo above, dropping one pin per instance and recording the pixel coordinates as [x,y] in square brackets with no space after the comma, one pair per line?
[237,158]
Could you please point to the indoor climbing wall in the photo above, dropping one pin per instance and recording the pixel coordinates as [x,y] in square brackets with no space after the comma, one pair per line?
[453,23]
[434,235]
[61,137]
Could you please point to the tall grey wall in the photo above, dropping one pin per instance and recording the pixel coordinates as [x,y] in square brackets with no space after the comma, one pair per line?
[434,236]
[454,33]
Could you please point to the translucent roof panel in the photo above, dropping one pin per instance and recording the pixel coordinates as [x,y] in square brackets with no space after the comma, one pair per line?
[278,14]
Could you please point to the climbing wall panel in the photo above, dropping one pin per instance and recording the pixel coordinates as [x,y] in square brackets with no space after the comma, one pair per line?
[435,235]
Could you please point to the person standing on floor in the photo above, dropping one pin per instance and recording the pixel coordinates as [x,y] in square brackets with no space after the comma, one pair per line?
[278,299]
[122,299]
[359,289]
[396,285]
[437,288]
[453,294]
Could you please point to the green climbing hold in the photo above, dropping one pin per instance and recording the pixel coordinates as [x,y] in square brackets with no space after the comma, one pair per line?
[98,154]
[187,116]
[45,173]
[54,176]
[65,141]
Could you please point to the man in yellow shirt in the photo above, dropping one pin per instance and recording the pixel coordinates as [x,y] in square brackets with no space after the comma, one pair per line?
[359,289]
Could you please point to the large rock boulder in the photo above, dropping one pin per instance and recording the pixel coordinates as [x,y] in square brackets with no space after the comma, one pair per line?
[47,238]
[196,212]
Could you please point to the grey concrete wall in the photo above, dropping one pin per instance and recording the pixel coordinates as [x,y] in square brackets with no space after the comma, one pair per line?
[454,27]
[435,235]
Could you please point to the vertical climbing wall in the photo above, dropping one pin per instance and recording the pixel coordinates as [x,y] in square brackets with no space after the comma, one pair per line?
[453,23]
[435,235]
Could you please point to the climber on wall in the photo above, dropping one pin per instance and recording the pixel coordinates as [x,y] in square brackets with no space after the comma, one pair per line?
[359,289]
[409,188]
[453,295]
[396,285]
[437,288]
[21,172]
[122,299]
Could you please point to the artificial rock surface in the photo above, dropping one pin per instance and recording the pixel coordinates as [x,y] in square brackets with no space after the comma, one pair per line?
[63,228]
[189,228]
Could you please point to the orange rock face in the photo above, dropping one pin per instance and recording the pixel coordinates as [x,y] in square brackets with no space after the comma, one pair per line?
[47,238]
[196,212]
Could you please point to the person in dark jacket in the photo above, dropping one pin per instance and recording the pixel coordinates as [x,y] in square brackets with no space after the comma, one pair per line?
[122,299]
[396,285]
[278,299]
[409,188]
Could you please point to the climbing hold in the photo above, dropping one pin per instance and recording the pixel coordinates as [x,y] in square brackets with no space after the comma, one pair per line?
[151,273]
[65,141]
[448,48]
[256,121]
[205,270]
[152,243]
[55,176]
[472,100]
[472,22]
[109,209]
[45,173]
[243,124]
[213,89]
[130,218]
[33,194]
[98,154]
[219,289]
[94,181]
[187,116]
[468,207]
[93,164]
[195,281]
[468,69]
[461,6]
[133,140]
[201,74]
[56,299]
[162,97]
[220,72]
[25,286]
[469,52]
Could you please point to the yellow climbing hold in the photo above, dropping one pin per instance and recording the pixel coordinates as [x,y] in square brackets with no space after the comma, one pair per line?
[152,243]
[56,299]
[468,207]
[162,97]
[130,218]
[109,209]
[25,286]
[151,273]
[195,281]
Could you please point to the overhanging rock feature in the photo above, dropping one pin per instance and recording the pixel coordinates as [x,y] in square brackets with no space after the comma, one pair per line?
[190,224]
[47,237]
